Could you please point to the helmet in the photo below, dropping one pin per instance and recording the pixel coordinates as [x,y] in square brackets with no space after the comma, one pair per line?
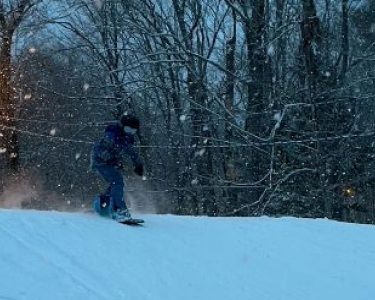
[130,121]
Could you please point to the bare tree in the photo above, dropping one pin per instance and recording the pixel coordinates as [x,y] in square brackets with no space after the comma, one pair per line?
[12,14]
[248,107]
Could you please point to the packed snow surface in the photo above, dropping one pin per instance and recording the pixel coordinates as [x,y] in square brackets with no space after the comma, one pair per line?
[51,255]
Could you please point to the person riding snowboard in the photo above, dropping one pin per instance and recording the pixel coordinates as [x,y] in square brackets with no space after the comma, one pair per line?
[106,159]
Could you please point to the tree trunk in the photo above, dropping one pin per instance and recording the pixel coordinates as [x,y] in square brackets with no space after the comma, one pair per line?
[345,39]
[254,31]
[7,105]
[281,49]
[311,37]
[201,156]
[256,102]
[228,153]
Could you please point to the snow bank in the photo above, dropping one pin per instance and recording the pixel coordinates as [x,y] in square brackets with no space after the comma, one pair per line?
[50,255]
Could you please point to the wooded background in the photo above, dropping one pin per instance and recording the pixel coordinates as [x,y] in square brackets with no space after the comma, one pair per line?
[247,108]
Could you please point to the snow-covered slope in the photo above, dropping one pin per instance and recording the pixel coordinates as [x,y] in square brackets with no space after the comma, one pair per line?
[50,255]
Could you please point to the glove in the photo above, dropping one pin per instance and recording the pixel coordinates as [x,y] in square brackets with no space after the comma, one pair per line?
[139,169]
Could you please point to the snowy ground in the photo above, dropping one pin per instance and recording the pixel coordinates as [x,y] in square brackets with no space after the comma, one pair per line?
[50,255]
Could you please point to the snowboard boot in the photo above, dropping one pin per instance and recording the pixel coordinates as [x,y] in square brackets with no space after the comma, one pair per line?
[121,215]
[101,206]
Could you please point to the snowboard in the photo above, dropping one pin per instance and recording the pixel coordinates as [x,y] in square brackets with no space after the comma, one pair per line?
[132,222]
[104,210]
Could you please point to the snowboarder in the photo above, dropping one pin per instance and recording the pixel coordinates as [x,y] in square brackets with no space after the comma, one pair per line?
[106,159]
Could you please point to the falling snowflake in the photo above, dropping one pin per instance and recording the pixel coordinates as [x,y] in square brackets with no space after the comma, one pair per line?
[182,118]
[194,181]
[86,86]
[277,116]
[144,178]
[78,155]
[271,50]
[3,150]
[32,50]
[27,97]
[99,4]
[205,128]
[200,152]
[53,132]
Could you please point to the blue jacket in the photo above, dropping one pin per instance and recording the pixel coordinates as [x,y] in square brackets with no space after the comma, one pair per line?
[110,149]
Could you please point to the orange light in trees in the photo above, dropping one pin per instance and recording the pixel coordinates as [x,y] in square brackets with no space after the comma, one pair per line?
[349,192]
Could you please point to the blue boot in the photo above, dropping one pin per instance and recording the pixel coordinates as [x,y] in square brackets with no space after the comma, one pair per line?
[121,215]
[101,205]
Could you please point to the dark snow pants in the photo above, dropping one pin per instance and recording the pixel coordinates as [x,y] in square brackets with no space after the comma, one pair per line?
[115,190]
